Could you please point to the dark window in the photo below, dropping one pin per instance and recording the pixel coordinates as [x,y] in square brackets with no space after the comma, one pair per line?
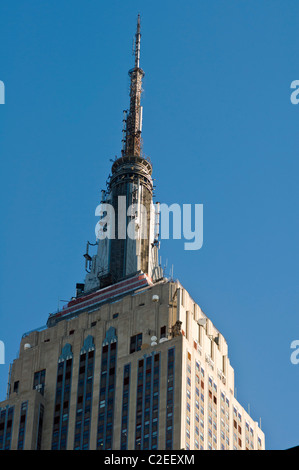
[163,332]
[107,391]
[6,416]
[170,399]
[125,408]
[23,415]
[61,409]
[85,384]
[39,381]
[135,343]
[147,405]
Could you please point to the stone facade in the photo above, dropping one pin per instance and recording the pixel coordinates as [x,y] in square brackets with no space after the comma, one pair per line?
[204,412]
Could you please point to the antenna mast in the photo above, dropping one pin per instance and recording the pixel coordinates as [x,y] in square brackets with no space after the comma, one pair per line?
[132,139]
[137,43]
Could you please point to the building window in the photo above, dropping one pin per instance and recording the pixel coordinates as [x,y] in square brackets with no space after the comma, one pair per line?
[39,381]
[22,425]
[135,343]
[163,332]
[16,386]
[84,395]
[62,399]
[40,427]
[6,424]
[107,391]
[147,406]
[125,408]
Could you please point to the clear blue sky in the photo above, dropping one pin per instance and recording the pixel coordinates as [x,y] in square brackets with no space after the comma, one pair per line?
[220,129]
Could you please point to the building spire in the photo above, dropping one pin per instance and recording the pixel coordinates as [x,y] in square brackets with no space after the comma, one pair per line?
[137,43]
[132,141]
[133,245]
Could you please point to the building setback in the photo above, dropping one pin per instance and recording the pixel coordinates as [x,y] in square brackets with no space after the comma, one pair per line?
[131,362]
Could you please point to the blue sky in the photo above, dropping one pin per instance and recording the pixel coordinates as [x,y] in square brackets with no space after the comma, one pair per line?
[221,131]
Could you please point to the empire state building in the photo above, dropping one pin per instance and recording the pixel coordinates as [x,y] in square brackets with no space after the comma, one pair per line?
[131,362]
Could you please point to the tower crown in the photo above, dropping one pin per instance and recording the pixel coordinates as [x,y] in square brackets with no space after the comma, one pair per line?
[130,194]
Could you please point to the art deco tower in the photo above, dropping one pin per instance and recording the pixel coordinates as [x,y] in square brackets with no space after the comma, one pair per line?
[130,193]
[131,362]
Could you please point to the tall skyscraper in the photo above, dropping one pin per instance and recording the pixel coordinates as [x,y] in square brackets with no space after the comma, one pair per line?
[131,362]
